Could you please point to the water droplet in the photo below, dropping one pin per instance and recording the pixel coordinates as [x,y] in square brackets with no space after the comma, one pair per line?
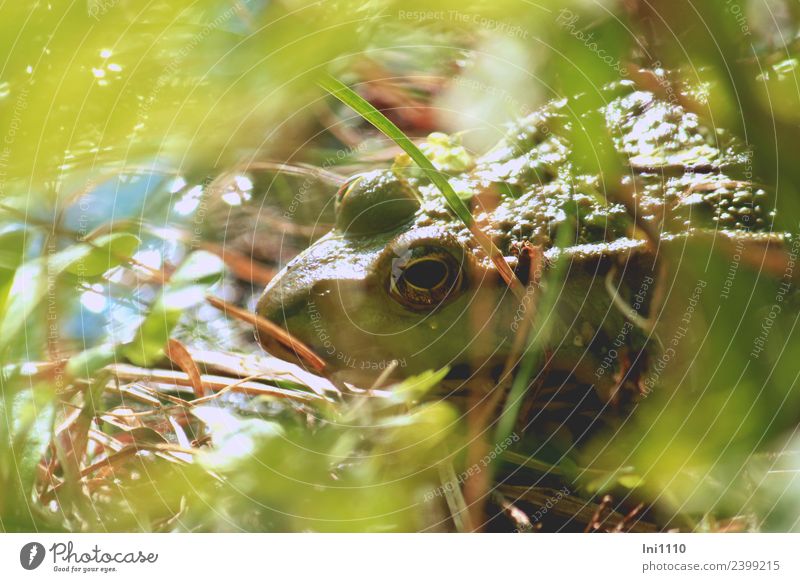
[232,198]
[786,66]
[177,184]
[189,201]
[243,183]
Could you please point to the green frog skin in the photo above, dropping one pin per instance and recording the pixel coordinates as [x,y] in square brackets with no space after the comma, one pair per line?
[400,278]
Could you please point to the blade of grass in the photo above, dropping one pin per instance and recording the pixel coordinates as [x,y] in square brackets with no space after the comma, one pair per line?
[530,462]
[366,110]
[269,329]
[537,339]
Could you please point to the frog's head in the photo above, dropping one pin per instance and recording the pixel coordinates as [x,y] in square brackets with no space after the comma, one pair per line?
[390,283]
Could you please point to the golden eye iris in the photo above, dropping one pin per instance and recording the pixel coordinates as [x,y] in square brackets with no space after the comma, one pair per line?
[425,282]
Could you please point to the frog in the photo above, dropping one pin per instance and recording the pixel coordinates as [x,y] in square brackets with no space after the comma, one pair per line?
[401,286]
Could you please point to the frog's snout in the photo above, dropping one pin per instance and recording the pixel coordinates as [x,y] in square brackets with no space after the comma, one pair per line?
[288,308]
[288,303]
[320,293]
[314,305]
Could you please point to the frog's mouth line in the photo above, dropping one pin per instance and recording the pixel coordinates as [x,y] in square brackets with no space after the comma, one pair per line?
[277,348]
[359,362]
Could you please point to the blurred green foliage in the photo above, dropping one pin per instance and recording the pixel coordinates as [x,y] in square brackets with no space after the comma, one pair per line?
[116,122]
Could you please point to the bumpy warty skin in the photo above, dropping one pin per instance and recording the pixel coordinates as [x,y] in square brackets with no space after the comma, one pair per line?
[680,176]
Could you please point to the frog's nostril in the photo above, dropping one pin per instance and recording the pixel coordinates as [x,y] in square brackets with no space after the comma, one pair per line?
[320,290]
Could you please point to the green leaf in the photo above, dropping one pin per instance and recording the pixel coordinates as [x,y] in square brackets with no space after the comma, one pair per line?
[186,289]
[414,388]
[235,439]
[28,289]
[29,414]
[34,279]
[631,481]
[419,436]
[86,363]
[11,249]
[200,267]
[105,253]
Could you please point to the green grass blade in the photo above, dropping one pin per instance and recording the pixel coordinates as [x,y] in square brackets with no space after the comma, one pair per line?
[538,335]
[366,110]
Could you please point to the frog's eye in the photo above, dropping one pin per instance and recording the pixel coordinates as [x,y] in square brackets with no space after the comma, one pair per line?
[425,278]
[374,202]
